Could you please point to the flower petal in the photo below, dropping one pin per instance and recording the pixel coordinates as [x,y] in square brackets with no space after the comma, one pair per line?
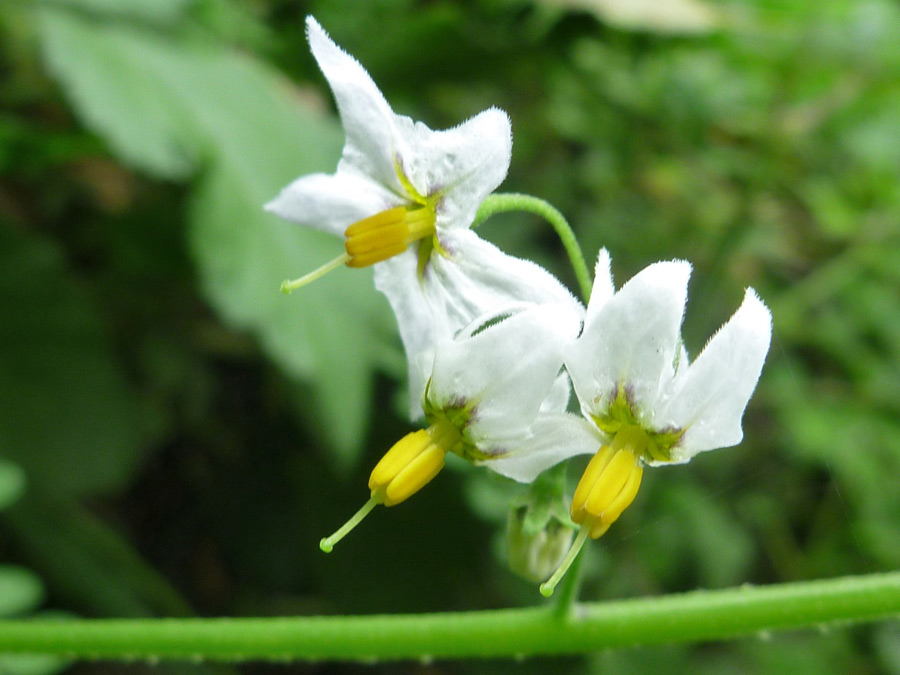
[631,339]
[331,202]
[557,400]
[463,164]
[505,370]
[421,327]
[369,122]
[709,399]
[553,438]
[474,277]
[603,288]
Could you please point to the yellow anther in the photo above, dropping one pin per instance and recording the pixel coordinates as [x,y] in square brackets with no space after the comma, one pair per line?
[608,486]
[376,238]
[402,453]
[415,475]
[594,468]
[404,470]
[387,234]
[407,467]
[621,501]
[609,491]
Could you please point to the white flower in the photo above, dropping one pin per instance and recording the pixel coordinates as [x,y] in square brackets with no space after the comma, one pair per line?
[629,367]
[495,397]
[404,197]
[391,161]
[501,389]
[470,278]
[647,404]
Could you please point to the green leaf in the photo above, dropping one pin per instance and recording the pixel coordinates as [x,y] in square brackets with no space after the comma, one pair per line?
[12,483]
[67,416]
[87,563]
[117,98]
[254,136]
[20,591]
[157,11]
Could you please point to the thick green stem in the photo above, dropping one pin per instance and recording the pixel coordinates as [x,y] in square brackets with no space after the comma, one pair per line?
[504,202]
[689,617]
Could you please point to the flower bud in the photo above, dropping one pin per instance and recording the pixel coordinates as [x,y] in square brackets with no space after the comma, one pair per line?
[534,554]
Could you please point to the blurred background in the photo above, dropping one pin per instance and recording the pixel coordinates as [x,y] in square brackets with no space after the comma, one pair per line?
[176,435]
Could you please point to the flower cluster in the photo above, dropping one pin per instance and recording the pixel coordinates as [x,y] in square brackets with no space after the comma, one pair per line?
[495,344]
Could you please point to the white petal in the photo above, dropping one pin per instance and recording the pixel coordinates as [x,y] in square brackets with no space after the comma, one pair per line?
[369,122]
[603,288]
[631,339]
[463,164]
[557,400]
[475,278]
[331,202]
[421,326]
[710,398]
[506,370]
[553,439]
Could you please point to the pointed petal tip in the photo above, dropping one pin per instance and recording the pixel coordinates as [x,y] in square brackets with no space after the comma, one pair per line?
[603,267]
[314,31]
[755,314]
[325,50]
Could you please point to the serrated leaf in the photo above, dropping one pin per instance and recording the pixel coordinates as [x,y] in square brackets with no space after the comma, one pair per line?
[12,483]
[20,591]
[254,137]
[117,98]
[66,415]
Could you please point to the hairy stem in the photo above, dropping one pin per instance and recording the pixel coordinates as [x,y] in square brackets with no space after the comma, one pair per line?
[688,617]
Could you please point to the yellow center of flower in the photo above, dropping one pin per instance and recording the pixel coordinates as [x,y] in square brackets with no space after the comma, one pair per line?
[607,487]
[387,234]
[404,470]
[384,235]
[609,483]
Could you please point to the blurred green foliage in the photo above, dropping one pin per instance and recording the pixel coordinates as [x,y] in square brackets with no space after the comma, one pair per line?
[176,435]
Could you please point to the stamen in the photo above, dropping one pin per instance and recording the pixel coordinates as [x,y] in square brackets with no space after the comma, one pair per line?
[549,586]
[327,543]
[374,239]
[610,483]
[387,234]
[404,470]
[287,287]
[401,453]
[415,475]
[594,468]
[407,467]
[621,501]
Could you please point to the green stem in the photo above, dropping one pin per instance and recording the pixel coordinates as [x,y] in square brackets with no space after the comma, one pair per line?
[504,202]
[688,617]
